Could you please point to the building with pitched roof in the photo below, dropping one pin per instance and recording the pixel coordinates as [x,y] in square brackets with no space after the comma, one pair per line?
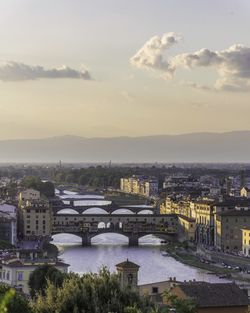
[214,298]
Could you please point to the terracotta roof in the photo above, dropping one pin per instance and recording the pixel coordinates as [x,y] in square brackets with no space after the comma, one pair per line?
[127,264]
[215,295]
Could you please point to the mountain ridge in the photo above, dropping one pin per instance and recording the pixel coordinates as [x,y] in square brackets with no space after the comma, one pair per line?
[233,146]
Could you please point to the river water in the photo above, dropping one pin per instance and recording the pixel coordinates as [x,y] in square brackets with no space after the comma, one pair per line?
[110,249]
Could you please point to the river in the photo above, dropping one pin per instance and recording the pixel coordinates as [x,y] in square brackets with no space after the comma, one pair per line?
[110,249]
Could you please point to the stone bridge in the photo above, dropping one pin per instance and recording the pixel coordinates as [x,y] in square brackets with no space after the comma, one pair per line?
[130,225]
[109,208]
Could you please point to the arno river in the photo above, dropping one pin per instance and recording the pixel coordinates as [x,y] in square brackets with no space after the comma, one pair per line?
[110,249]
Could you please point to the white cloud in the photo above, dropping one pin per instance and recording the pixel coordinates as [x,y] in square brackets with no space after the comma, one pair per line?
[150,56]
[14,71]
[232,64]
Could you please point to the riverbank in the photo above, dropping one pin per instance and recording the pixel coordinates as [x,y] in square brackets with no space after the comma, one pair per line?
[188,257]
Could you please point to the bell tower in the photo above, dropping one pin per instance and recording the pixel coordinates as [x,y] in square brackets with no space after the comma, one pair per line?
[128,274]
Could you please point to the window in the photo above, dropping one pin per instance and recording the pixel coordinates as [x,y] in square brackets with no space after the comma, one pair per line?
[130,279]
[19,276]
[8,275]
[154,289]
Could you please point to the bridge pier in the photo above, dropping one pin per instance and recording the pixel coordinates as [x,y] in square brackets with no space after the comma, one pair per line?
[86,240]
[133,240]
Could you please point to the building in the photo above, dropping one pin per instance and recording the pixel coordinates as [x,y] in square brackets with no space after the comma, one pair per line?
[228,229]
[35,218]
[16,272]
[176,206]
[204,217]
[187,227]
[213,298]
[139,184]
[155,291]
[245,192]
[128,274]
[246,241]
[8,223]
[29,194]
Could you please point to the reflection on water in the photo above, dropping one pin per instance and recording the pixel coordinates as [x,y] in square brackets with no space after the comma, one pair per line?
[110,249]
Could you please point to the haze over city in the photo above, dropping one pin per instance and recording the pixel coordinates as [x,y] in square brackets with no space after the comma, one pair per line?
[123,68]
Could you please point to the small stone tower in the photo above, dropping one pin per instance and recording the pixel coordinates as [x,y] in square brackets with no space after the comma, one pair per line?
[128,273]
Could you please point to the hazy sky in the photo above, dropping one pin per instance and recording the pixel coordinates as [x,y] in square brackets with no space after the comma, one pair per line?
[131,67]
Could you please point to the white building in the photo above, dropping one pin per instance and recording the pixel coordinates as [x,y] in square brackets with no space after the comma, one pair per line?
[16,272]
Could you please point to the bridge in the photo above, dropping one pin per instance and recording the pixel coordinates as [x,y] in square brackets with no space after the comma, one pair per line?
[109,207]
[132,226]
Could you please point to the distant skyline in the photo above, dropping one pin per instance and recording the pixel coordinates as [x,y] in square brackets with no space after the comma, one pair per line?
[123,68]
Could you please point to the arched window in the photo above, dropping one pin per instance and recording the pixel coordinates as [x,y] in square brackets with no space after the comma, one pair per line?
[130,279]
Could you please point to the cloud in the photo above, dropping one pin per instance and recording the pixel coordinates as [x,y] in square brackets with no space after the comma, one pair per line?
[232,64]
[150,56]
[14,71]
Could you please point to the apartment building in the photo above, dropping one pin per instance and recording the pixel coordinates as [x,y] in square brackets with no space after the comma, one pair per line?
[139,184]
[187,227]
[35,218]
[228,229]
[246,241]
[204,217]
[175,206]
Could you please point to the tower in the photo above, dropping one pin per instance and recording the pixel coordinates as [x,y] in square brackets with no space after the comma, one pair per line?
[128,274]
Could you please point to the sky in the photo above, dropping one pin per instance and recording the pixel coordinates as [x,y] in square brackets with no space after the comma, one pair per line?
[123,67]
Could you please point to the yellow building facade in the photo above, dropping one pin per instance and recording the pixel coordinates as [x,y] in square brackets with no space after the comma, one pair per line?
[246,241]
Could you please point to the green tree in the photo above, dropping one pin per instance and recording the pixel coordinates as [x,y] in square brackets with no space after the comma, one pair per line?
[12,302]
[46,188]
[39,278]
[90,293]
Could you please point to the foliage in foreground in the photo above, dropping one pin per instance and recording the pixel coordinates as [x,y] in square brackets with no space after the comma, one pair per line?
[40,277]
[12,302]
[91,293]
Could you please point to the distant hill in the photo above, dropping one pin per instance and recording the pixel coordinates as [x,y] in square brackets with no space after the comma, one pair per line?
[195,147]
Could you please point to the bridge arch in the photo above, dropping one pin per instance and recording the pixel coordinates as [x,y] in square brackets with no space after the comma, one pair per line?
[111,237]
[146,211]
[67,211]
[122,211]
[66,239]
[95,210]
